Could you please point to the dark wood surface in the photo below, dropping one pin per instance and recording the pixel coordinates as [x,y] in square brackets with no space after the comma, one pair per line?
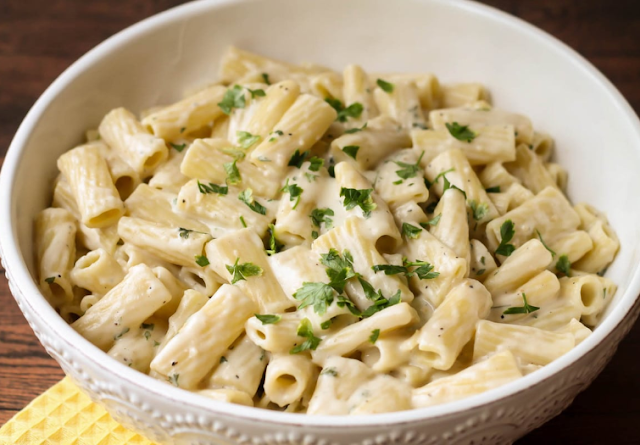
[40,38]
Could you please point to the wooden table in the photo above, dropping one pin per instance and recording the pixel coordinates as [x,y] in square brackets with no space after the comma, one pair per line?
[40,38]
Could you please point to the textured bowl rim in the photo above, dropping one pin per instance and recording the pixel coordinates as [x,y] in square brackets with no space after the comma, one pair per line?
[31,296]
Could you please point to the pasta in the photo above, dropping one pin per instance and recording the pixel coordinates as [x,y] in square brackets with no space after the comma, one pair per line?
[312,241]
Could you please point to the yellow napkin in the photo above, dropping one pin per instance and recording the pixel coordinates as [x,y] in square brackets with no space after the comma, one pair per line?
[65,416]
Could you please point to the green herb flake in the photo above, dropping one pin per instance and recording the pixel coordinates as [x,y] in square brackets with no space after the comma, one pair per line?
[268,319]
[182,130]
[330,371]
[359,198]
[178,148]
[410,231]
[315,163]
[274,245]
[305,331]
[314,234]
[246,139]
[321,216]
[256,93]
[173,379]
[246,196]
[564,265]
[385,86]
[50,280]
[354,110]
[243,222]
[374,336]
[398,182]
[265,77]
[339,268]
[461,132]
[240,272]
[553,254]
[355,130]
[432,222]
[318,295]
[297,159]
[212,188]
[202,260]
[479,211]
[148,326]
[233,174]
[408,170]
[495,189]
[326,325]
[351,150]
[124,331]
[294,192]
[525,309]
[507,231]
[389,269]
[223,359]
[480,272]
[233,98]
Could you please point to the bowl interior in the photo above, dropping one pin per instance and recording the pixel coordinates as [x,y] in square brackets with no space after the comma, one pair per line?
[526,71]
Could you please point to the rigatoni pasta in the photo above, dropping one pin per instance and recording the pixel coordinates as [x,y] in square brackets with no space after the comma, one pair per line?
[312,241]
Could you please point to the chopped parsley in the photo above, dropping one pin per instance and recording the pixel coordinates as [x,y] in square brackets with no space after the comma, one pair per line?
[389,269]
[318,295]
[461,132]
[184,233]
[223,359]
[268,319]
[124,331]
[360,198]
[438,176]
[423,270]
[330,371]
[379,301]
[447,185]
[495,189]
[233,98]
[173,379]
[233,174]
[410,231]
[265,77]
[297,159]
[564,265]
[545,244]
[315,163]
[326,325]
[50,280]
[234,153]
[374,336]
[247,197]
[355,130]
[202,260]
[178,148]
[256,93]
[386,86]
[351,150]
[294,192]
[242,221]
[479,211]
[339,269]
[212,188]
[408,170]
[354,110]
[274,245]
[432,222]
[525,309]
[507,231]
[305,331]
[240,272]
[320,216]
[480,272]
[246,139]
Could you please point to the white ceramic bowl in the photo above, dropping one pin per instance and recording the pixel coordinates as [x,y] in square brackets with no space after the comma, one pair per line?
[153,62]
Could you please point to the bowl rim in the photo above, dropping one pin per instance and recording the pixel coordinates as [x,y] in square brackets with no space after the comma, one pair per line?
[29,294]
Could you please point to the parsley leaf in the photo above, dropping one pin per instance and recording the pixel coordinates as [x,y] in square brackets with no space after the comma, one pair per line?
[124,331]
[233,174]
[386,86]
[374,336]
[242,221]
[351,150]
[305,331]
[274,245]
[265,77]
[564,265]
[432,222]
[319,216]
[318,295]
[461,132]
[330,371]
[298,158]
[246,139]
[389,269]
[448,185]
[360,198]
[202,260]
[240,272]
[212,188]
[380,302]
[354,110]
[233,98]
[495,189]
[479,210]
[525,309]
[326,324]
[408,170]
[507,231]
[294,192]
[438,176]
[268,319]
[234,153]
[247,197]
[422,269]
[315,163]
[178,148]
[339,270]
[410,231]
[256,93]
[545,245]
[355,130]
[50,280]
[184,233]
[345,302]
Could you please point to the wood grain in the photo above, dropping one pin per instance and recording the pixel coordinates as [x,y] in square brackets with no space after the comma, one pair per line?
[40,38]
